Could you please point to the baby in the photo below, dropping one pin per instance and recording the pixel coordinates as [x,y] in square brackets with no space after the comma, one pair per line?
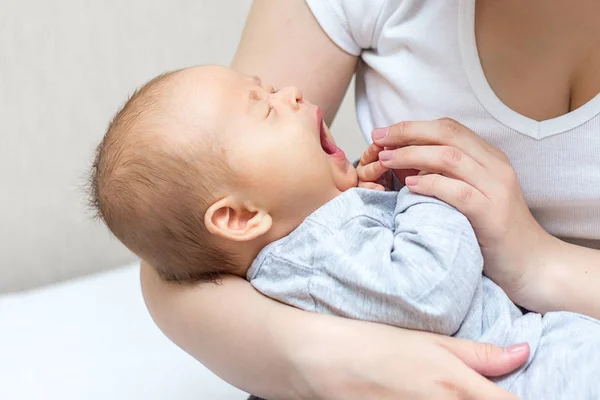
[206,172]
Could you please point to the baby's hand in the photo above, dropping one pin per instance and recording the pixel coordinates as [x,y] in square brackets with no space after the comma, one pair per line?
[371,173]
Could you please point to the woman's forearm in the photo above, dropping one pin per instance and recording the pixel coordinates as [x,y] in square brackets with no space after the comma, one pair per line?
[569,280]
[229,328]
[247,339]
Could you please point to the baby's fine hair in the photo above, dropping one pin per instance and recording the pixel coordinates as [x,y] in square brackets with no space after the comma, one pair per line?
[152,194]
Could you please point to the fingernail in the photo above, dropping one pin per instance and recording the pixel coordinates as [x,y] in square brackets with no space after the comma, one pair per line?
[386,155]
[517,348]
[380,133]
[412,180]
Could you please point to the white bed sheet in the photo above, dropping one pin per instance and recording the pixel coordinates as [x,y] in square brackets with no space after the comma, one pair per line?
[93,339]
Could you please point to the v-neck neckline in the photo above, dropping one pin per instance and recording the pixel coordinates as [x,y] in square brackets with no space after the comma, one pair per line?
[495,106]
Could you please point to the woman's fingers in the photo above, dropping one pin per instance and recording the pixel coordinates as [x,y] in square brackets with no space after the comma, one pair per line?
[469,385]
[445,160]
[461,195]
[485,358]
[443,131]
[481,388]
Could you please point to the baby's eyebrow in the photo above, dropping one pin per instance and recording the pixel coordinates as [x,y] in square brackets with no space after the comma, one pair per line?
[257,80]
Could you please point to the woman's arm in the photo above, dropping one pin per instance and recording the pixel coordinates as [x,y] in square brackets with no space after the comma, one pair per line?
[284,45]
[568,280]
[236,332]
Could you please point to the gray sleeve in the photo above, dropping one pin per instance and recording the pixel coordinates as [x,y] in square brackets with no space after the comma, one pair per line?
[283,279]
[439,261]
[420,275]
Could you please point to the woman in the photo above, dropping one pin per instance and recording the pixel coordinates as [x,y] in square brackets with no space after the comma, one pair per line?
[419,60]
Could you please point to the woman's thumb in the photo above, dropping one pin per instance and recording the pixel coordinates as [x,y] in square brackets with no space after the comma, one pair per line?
[487,359]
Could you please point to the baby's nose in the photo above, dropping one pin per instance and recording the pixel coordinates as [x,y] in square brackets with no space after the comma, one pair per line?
[292,95]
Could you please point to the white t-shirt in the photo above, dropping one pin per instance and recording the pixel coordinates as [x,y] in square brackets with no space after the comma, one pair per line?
[419,61]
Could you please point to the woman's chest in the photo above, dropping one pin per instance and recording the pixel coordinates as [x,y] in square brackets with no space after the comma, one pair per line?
[518,64]
[542,58]
[431,68]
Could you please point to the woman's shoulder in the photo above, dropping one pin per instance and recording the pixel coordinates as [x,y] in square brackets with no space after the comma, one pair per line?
[354,25]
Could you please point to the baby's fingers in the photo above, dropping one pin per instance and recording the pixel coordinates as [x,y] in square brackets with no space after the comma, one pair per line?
[371,172]
[371,185]
[370,155]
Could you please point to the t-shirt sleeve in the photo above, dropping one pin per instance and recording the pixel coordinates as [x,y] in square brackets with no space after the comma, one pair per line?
[353,25]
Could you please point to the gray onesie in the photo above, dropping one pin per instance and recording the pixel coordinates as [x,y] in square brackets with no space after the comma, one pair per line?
[414,262]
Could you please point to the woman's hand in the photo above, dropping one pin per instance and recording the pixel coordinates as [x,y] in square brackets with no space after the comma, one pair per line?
[279,352]
[353,360]
[477,179]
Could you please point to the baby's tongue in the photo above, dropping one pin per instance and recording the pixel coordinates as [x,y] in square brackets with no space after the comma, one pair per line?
[327,144]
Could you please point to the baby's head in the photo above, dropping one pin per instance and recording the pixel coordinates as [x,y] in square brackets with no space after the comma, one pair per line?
[203,167]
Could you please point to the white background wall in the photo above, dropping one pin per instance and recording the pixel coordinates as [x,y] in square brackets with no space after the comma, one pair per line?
[65,68]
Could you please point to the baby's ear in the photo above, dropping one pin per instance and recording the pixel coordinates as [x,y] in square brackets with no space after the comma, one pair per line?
[235,220]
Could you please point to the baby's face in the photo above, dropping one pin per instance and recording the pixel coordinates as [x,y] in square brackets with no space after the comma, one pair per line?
[275,141]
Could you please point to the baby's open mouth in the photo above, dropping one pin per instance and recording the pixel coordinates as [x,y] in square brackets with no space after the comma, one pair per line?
[327,144]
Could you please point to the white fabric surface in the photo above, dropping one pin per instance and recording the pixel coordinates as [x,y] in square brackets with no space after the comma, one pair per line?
[92,338]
